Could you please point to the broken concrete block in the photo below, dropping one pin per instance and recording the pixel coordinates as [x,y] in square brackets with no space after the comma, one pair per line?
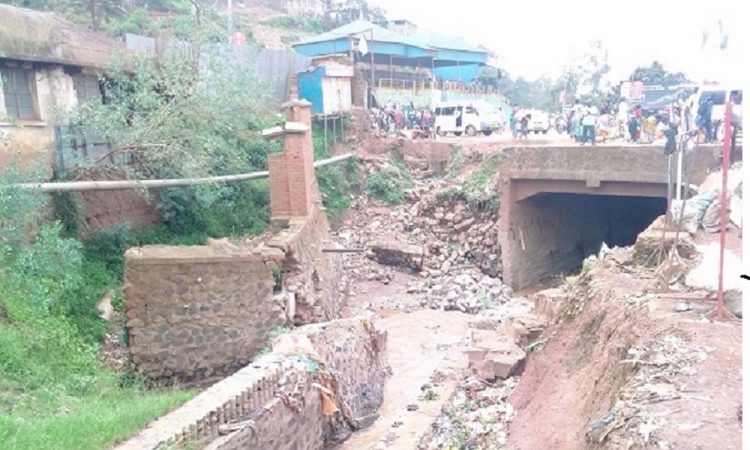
[493,355]
[525,329]
[396,254]
[465,225]
[548,301]
[505,365]
[476,355]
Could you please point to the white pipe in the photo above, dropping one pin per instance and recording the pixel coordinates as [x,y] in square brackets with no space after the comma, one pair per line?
[78,186]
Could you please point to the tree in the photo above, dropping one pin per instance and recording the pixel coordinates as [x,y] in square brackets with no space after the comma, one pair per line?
[586,78]
[177,119]
[537,94]
[92,13]
[657,74]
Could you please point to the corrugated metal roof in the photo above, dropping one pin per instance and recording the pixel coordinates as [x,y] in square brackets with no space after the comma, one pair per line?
[360,28]
[437,40]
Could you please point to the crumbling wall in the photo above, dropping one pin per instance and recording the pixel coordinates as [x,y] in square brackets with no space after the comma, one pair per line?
[105,209]
[308,274]
[277,401]
[281,427]
[199,311]
[354,353]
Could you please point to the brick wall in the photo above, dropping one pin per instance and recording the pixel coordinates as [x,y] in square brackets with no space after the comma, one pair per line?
[105,209]
[291,173]
[195,312]
[273,403]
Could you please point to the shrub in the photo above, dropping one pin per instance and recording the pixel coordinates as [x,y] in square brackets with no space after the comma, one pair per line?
[389,184]
[385,186]
[298,23]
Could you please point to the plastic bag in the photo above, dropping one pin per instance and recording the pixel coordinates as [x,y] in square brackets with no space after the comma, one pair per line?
[694,209]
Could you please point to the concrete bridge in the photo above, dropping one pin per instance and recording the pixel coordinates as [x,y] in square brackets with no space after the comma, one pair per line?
[558,204]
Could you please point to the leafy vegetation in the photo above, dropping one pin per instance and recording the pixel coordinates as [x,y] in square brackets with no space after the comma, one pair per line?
[193,20]
[298,23]
[52,384]
[475,190]
[177,122]
[455,163]
[336,182]
[657,74]
[389,184]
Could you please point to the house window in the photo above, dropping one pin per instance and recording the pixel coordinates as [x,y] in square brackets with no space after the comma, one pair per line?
[17,90]
[87,87]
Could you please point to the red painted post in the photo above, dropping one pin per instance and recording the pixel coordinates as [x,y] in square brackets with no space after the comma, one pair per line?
[724,177]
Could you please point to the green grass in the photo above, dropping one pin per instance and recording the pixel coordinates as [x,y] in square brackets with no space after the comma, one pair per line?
[54,392]
[473,190]
[92,421]
[455,163]
[480,177]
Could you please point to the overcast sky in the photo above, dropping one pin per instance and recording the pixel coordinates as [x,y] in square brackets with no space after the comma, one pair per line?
[534,38]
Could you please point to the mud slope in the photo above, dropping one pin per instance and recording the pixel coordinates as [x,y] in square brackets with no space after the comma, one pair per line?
[622,369]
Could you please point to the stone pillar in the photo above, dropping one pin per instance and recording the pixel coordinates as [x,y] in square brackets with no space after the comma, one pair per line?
[291,173]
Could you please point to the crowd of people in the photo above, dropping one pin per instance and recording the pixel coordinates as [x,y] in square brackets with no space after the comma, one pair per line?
[588,123]
[395,118]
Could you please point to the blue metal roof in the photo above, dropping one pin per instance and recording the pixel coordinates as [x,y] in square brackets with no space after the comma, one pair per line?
[442,41]
[386,42]
[369,30]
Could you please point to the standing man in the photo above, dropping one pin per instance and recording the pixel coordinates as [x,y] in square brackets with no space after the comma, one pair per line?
[703,119]
[622,117]
[589,124]
[513,121]
[525,126]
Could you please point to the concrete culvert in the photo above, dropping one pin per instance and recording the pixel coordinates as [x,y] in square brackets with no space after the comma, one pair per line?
[554,233]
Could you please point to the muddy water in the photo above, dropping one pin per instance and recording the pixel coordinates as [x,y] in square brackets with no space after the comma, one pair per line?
[419,343]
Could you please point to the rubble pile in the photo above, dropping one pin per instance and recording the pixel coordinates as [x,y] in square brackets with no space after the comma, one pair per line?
[469,291]
[444,234]
[426,238]
[477,417]
[471,233]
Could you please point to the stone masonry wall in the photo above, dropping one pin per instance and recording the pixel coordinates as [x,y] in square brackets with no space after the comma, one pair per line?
[276,402]
[199,311]
[308,274]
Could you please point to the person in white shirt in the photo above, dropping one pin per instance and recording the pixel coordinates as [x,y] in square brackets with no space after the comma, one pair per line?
[622,117]
[589,123]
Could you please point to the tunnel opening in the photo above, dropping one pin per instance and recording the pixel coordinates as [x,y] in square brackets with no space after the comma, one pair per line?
[606,219]
[550,234]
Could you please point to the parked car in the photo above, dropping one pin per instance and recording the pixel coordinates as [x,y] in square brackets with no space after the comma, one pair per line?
[491,118]
[461,117]
[540,120]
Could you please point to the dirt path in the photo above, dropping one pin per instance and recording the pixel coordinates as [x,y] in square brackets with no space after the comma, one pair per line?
[420,344]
